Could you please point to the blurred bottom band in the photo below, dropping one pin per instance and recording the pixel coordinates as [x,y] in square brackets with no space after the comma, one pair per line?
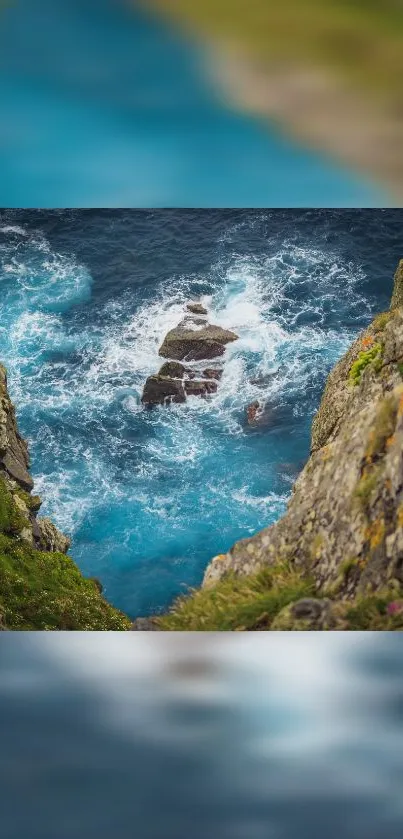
[166,736]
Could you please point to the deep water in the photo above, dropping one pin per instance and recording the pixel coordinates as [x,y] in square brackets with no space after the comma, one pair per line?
[103,105]
[87,296]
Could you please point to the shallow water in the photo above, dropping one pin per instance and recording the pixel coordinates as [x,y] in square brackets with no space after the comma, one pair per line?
[87,296]
[104,106]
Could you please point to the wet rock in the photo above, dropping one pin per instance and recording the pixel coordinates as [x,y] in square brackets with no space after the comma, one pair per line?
[161,390]
[196,309]
[212,373]
[184,343]
[200,388]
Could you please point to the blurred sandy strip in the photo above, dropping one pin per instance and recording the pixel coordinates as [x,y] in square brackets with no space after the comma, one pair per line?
[330,72]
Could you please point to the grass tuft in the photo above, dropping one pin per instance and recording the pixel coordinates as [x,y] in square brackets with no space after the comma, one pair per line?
[238,603]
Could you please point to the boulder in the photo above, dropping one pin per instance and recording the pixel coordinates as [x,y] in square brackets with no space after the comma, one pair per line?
[162,390]
[200,388]
[184,343]
[196,309]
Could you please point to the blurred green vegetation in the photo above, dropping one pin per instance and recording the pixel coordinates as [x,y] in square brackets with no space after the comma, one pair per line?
[360,39]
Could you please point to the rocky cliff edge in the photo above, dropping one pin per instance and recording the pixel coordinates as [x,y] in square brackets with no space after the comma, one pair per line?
[40,586]
[337,554]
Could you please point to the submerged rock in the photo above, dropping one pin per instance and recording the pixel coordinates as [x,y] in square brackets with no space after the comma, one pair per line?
[186,344]
[162,390]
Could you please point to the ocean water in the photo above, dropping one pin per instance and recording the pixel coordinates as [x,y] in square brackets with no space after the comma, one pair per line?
[149,497]
[103,105]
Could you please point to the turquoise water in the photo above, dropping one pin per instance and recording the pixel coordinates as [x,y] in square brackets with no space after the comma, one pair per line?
[87,297]
[103,106]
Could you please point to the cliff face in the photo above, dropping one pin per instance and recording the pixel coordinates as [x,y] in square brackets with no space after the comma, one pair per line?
[40,586]
[342,535]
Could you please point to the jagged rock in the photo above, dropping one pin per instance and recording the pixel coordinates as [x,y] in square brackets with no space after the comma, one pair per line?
[14,458]
[200,388]
[196,309]
[173,369]
[161,390]
[184,343]
[51,539]
[344,522]
[212,373]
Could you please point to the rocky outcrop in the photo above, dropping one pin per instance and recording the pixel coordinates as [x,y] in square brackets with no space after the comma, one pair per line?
[194,340]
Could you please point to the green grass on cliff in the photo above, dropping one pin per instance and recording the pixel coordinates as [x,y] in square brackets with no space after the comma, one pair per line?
[42,590]
[237,603]
[46,591]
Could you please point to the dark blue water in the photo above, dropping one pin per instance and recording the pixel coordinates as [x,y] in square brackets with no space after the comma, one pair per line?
[104,106]
[87,296]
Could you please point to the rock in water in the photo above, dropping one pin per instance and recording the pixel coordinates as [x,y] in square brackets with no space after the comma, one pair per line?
[183,343]
[173,370]
[196,309]
[162,390]
[200,388]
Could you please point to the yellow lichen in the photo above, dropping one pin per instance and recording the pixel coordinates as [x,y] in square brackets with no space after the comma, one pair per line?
[375,533]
